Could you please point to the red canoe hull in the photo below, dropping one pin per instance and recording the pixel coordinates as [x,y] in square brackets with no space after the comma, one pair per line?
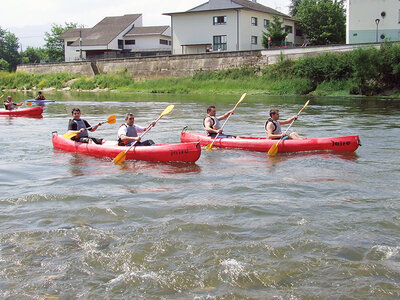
[187,152]
[30,111]
[262,144]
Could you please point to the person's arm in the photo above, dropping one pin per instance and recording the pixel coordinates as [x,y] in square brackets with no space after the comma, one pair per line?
[224,116]
[270,131]
[72,126]
[91,128]
[209,127]
[287,121]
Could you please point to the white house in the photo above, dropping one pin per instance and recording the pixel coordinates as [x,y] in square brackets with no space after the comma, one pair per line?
[118,36]
[371,21]
[226,25]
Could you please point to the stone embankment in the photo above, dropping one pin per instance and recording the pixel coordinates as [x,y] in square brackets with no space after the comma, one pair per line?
[183,65]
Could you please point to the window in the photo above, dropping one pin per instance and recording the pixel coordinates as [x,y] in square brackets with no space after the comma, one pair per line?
[399,16]
[120,44]
[254,21]
[254,40]
[69,43]
[266,22]
[288,29]
[163,42]
[219,20]
[219,42]
[130,42]
[169,43]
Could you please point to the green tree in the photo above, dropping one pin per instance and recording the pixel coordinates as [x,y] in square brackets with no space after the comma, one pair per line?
[9,49]
[323,21]
[276,31]
[33,55]
[54,46]
[293,7]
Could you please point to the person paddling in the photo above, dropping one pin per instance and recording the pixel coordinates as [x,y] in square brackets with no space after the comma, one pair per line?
[78,124]
[40,96]
[9,104]
[211,122]
[273,126]
[128,132]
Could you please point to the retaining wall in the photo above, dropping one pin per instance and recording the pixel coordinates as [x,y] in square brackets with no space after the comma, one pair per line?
[183,65]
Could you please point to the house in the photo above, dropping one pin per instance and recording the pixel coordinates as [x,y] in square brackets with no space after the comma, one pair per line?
[226,25]
[372,21]
[120,36]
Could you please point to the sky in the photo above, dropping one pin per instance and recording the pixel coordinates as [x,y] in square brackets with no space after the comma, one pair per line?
[30,19]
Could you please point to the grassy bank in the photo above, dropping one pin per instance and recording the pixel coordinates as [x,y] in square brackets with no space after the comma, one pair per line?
[368,71]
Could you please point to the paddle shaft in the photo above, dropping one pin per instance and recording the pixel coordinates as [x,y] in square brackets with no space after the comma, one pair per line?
[222,127]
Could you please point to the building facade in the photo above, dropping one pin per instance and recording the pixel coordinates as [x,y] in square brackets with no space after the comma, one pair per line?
[226,25]
[372,21]
[114,37]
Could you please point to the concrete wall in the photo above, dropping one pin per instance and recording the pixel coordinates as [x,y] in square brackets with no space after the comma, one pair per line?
[83,68]
[185,65]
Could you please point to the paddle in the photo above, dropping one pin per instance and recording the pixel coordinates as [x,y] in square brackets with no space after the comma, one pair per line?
[120,158]
[274,149]
[210,146]
[70,134]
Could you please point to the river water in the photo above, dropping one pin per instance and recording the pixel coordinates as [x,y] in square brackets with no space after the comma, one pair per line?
[233,225]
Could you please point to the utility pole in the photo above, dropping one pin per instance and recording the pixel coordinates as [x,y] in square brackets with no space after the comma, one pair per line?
[80,44]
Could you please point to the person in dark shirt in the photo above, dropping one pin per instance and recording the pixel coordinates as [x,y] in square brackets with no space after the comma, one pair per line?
[78,124]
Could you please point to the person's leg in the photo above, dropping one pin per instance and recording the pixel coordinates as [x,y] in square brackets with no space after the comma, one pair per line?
[294,136]
[97,141]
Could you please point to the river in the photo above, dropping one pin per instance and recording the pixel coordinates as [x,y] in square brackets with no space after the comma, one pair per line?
[233,225]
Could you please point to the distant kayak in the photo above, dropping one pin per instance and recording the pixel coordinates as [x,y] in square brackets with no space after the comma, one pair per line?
[30,111]
[39,101]
[186,152]
[262,144]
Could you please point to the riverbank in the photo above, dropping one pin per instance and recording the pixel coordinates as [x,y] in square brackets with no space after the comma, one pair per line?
[362,72]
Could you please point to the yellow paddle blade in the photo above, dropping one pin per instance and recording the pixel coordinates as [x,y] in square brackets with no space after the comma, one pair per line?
[241,99]
[70,134]
[111,119]
[273,150]
[167,110]
[209,147]
[120,158]
[29,103]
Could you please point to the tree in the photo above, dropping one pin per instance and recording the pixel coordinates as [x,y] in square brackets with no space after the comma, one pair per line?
[9,49]
[33,55]
[54,46]
[293,7]
[323,21]
[276,31]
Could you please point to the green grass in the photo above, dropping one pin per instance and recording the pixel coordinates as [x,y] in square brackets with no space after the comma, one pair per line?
[324,75]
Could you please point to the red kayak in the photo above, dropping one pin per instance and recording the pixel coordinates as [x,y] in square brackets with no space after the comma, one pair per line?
[262,144]
[187,152]
[30,111]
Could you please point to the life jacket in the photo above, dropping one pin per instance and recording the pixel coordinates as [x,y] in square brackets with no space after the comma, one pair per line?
[8,105]
[40,97]
[215,123]
[277,126]
[79,125]
[130,131]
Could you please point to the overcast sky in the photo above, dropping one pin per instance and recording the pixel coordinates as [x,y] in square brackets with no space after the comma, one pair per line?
[29,19]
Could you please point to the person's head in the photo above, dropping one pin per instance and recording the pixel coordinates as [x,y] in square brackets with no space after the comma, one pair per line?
[274,114]
[211,111]
[40,93]
[76,113]
[9,98]
[130,119]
